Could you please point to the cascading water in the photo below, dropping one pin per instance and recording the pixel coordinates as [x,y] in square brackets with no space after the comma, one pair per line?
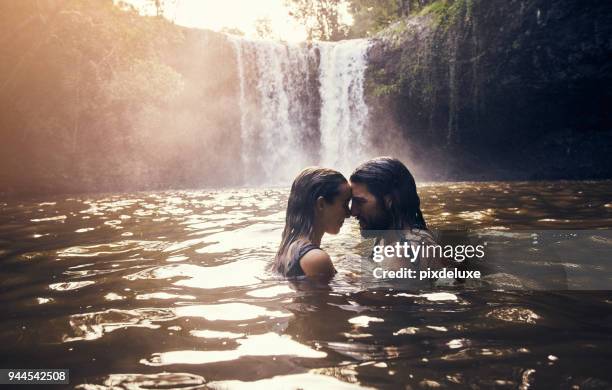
[344,114]
[301,104]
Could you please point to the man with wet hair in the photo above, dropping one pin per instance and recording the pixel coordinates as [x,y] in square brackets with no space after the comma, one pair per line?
[385,196]
[387,206]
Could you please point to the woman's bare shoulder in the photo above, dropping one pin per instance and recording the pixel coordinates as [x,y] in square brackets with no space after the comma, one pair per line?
[316,262]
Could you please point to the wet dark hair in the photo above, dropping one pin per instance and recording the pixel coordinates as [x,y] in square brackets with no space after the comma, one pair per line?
[388,176]
[307,187]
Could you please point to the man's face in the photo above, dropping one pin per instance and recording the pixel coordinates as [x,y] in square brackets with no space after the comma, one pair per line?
[369,212]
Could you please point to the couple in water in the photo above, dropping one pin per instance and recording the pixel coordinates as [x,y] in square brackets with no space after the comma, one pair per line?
[382,196]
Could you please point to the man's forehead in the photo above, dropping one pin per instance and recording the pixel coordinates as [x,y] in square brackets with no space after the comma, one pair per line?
[360,190]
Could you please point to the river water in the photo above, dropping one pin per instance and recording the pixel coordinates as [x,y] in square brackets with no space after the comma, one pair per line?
[170,290]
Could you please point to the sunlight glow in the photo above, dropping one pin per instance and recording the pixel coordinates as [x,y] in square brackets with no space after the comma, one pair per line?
[231,14]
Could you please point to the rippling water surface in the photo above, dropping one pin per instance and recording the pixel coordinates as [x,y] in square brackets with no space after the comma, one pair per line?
[170,290]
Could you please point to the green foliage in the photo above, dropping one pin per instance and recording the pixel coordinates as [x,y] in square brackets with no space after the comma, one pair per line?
[263,28]
[394,34]
[437,7]
[323,19]
[74,75]
[143,80]
[373,16]
[232,31]
[447,12]
[381,84]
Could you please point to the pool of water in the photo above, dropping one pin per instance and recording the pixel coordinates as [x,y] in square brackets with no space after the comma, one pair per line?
[171,290]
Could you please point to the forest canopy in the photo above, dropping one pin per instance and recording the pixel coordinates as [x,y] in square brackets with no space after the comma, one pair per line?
[94,97]
[333,20]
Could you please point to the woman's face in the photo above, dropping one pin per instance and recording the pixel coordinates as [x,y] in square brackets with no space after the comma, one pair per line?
[334,213]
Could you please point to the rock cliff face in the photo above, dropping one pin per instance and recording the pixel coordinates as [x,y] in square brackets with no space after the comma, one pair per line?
[517,89]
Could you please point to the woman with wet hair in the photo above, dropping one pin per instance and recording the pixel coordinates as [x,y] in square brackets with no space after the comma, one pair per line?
[318,204]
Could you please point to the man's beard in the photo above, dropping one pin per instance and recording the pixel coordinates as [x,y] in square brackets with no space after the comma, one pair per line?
[371,227]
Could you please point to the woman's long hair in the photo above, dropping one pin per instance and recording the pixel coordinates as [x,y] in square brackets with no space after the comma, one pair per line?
[307,187]
[387,176]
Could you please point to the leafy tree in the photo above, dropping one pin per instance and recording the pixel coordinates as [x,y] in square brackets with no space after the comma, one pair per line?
[232,31]
[323,19]
[371,16]
[326,19]
[263,28]
[74,75]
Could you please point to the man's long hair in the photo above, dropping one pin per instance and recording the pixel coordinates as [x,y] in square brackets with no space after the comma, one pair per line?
[307,187]
[389,177]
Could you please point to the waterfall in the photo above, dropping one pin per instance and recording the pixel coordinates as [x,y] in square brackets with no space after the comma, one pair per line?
[344,113]
[300,104]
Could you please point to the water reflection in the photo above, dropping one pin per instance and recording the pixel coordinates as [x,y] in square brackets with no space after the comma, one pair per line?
[93,326]
[514,314]
[164,380]
[268,344]
[238,273]
[228,312]
[171,290]
[212,334]
[311,380]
